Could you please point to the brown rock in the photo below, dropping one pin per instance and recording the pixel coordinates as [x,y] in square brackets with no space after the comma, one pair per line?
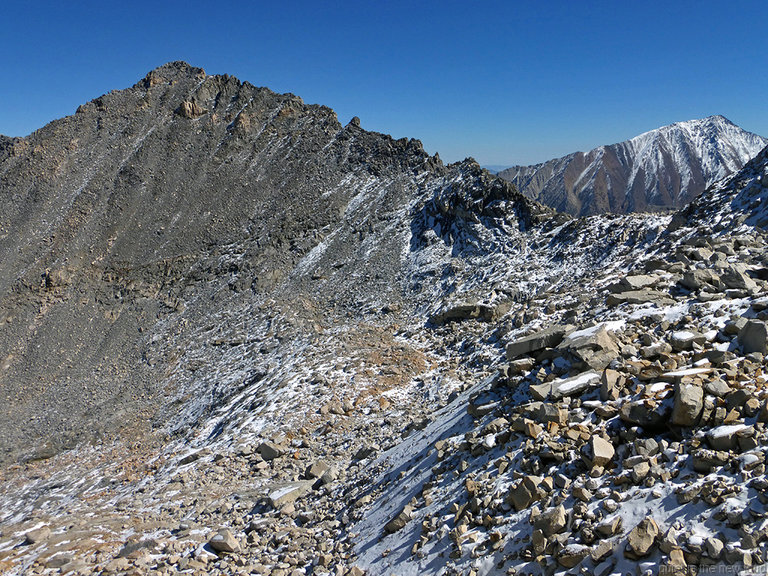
[641,539]
[689,402]
[526,492]
[552,521]
[37,535]
[399,521]
[545,339]
[601,450]
[224,541]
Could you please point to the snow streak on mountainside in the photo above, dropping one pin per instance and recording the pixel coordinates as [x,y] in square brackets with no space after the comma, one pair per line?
[737,202]
[661,169]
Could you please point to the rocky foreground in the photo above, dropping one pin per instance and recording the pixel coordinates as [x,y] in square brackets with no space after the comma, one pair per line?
[472,385]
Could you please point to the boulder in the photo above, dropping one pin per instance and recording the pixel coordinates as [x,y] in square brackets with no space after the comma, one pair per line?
[317,469]
[602,550]
[641,539]
[724,438]
[593,347]
[645,413]
[717,387]
[547,338]
[713,547]
[399,521]
[540,391]
[645,296]
[754,337]
[134,549]
[284,494]
[552,521]
[552,413]
[526,492]
[735,276]
[572,555]
[633,282]
[696,279]
[573,386]
[270,450]
[640,471]
[601,451]
[689,402]
[682,340]
[463,312]
[37,535]
[224,541]
[611,384]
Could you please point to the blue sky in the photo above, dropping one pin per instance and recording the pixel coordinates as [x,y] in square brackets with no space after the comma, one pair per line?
[503,82]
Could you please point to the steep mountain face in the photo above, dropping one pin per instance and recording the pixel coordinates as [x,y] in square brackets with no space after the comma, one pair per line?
[242,338]
[659,170]
[734,203]
[158,205]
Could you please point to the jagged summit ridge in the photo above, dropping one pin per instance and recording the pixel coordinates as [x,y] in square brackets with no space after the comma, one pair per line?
[661,169]
[149,196]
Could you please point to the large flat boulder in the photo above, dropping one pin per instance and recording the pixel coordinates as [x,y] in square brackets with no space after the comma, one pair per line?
[547,338]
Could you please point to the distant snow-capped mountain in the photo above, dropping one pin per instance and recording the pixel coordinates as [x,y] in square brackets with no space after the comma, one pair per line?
[661,169]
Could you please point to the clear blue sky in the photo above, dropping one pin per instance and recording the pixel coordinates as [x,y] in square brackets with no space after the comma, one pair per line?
[504,82]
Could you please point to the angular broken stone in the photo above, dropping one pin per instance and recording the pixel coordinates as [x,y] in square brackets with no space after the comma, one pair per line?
[552,413]
[609,526]
[526,492]
[601,451]
[572,555]
[645,413]
[603,549]
[463,312]
[717,387]
[270,450]
[689,402]
[735,276]
[547,338]
[289,492]
[695,279]
[645,296]
[594,347]
[633,282]
[725,437]
[317,469]
[37,535]
[683,340]
[642,538]
[754,337]
[611,383]
[224,541]
[399,521]
[640,471]
[573,386]
[713,548]
[552,521]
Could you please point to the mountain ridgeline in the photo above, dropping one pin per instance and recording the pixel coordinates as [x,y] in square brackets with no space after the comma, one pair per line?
[121,216]
[662,169]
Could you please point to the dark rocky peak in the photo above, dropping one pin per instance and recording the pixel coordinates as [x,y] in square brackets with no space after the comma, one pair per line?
[170,73]
[169,197]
